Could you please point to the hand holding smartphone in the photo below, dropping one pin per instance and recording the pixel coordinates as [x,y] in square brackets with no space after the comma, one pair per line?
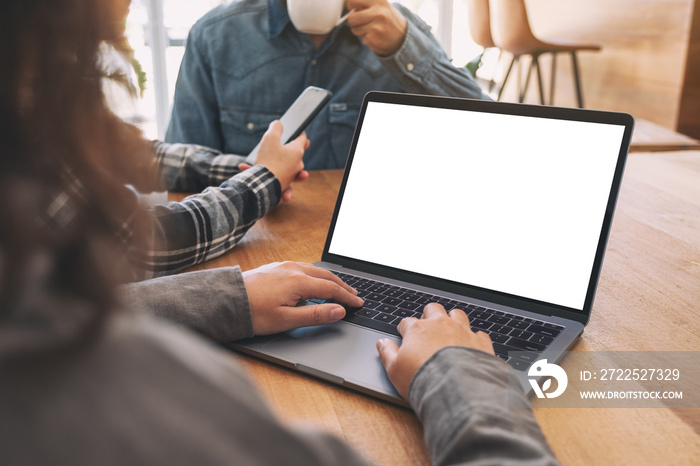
[298,116]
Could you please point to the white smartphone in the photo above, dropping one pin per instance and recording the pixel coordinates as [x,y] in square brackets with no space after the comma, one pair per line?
[298,116]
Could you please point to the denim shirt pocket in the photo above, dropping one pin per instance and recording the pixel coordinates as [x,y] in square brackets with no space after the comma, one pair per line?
[243,128]
[342,118]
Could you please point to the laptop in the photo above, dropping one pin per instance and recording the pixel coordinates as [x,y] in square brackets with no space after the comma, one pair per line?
[502,210]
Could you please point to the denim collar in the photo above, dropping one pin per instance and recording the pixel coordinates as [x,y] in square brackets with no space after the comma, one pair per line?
[278,17]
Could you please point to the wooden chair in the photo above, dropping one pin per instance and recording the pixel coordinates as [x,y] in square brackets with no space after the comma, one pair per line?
[479,20]
[511,32]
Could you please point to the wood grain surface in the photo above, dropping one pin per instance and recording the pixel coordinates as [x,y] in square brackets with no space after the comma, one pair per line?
[650,137]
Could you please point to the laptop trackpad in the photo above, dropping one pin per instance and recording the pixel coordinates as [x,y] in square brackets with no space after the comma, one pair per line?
[338,352]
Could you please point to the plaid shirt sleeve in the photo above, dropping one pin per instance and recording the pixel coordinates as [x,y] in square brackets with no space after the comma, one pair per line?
[201,227]
[206,225]
[191,168]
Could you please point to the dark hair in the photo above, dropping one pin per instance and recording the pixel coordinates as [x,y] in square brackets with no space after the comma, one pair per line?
[53,118]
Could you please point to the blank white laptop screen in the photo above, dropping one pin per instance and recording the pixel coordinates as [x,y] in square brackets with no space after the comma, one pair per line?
[509,203]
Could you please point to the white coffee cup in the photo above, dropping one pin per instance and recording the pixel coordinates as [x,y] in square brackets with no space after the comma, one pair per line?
[315,16]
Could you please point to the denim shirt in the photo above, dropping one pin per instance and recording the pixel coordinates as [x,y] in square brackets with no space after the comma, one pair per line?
[245,63]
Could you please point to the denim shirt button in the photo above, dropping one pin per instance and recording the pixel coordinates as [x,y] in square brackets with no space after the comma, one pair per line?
[250,126]
[313,62]
[409,67]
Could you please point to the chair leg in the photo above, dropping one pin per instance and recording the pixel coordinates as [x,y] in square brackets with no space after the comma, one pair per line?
[527,80]
[505,79]
[552,78]
[577,79]
[536,62]
[492,83]
[519,89]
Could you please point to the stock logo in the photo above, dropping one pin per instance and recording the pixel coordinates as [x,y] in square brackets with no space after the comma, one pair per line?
[548,372]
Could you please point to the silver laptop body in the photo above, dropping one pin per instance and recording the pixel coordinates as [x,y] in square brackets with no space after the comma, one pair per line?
[489,205]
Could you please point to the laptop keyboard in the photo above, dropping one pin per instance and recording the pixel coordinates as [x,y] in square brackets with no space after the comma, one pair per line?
[385,306]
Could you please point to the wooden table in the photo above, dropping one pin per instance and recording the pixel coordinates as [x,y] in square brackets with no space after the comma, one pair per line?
[648,299]
[650,137]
